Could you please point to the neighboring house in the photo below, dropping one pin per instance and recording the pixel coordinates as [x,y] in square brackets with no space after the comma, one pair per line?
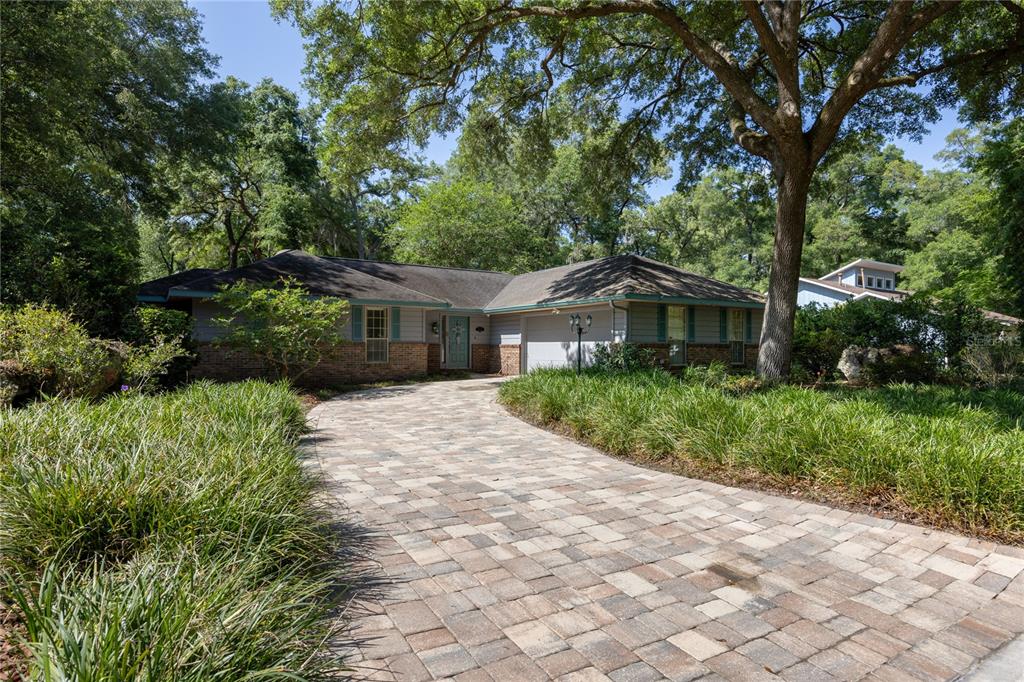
[408,320]
[865,278]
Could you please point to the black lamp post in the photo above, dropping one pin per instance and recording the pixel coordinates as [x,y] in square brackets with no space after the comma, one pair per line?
[576,325]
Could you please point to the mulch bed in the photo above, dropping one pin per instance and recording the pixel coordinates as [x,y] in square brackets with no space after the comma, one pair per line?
[13,656]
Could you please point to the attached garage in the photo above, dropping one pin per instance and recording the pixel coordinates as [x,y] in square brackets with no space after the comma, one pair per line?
[550,343]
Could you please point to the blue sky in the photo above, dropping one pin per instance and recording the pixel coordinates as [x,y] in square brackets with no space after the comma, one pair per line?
[253,46]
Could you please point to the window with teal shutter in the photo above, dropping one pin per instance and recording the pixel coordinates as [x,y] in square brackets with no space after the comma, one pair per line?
[723,325]
[662,323]
[750,325]
[357,322]
[396,324]
[691,323]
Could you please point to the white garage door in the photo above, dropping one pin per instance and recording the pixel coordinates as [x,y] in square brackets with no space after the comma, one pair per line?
[549,343]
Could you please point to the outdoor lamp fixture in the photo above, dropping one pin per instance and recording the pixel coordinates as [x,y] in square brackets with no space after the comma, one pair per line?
[434,327]
[576,325]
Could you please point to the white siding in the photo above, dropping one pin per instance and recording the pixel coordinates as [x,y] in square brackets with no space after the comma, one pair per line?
[808,293]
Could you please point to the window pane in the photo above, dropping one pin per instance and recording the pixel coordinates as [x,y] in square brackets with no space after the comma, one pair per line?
[376,350]
[736,333]
[376,324]
[676,322]
[376,335]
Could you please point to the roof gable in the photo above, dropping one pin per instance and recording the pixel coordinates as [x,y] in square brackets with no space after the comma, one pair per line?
[615,277]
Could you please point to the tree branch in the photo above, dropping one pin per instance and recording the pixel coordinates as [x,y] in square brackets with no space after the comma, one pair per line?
[897,28]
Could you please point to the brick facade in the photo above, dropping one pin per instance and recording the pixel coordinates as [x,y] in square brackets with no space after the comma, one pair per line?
[345,365]
[480,358]
[433,358]
[504,359]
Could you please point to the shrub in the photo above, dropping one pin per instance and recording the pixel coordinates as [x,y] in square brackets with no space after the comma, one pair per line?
[953,455]
[155,332]
[993,364]
[55,353]
[175,536]
[902,364]
[284,326]
[623,357]
[158,328]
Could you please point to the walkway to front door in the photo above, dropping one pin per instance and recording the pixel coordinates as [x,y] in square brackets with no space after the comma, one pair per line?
[520,555]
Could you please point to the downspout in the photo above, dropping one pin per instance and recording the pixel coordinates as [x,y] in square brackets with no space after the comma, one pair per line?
[625,311]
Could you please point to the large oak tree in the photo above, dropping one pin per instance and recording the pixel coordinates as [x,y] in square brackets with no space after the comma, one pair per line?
[783,82]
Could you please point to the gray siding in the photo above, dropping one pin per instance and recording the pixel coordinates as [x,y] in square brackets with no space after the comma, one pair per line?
[506,329]
[410,323]
[643,322]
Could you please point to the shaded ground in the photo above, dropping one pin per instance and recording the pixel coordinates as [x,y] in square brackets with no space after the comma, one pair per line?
[518,554]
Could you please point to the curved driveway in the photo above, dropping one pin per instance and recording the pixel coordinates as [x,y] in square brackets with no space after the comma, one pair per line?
[520,555]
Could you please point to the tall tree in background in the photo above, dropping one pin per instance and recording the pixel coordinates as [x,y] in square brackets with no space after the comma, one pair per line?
[92,93]
[783,82]
[1003,162]
[251,192]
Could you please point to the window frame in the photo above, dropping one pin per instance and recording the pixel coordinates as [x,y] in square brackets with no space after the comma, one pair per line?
[367,339]
[669,338]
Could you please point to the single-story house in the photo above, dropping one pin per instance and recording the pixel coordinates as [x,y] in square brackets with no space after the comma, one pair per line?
[408,320]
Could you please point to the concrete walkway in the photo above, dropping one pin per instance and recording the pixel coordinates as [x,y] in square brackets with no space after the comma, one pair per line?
[519,555]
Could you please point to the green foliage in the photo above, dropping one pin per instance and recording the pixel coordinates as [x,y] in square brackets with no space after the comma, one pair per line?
[93,92]
[284,326]
[1002,161]
[250,194]
[469,225]
[623,357]
[171,537]
[937,329]
[953,456]
[56,353]
[994,364]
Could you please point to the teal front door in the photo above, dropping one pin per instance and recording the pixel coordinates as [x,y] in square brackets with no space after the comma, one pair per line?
[458,343]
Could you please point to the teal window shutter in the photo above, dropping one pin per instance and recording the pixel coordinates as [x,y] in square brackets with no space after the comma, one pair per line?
[691,323]
[750,325]
[723,325]
[396,324]
[662,323]
[357,322]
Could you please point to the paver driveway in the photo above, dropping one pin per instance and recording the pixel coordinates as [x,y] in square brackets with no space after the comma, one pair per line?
[520,555]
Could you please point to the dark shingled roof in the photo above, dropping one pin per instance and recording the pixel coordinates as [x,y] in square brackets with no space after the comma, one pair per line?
[613,277]
[362,280]
[159,287]
[320,276]
[461,287]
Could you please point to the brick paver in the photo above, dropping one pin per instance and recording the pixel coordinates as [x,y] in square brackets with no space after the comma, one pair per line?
[518,555]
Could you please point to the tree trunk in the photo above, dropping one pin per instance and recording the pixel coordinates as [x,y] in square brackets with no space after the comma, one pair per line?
[232,256]
[774,355]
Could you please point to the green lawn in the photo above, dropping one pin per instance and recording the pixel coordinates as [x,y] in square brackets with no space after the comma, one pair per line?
[171,537]
[949,456]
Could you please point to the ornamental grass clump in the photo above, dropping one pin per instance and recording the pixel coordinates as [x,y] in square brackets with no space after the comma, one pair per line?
[946,455]
[172,537]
